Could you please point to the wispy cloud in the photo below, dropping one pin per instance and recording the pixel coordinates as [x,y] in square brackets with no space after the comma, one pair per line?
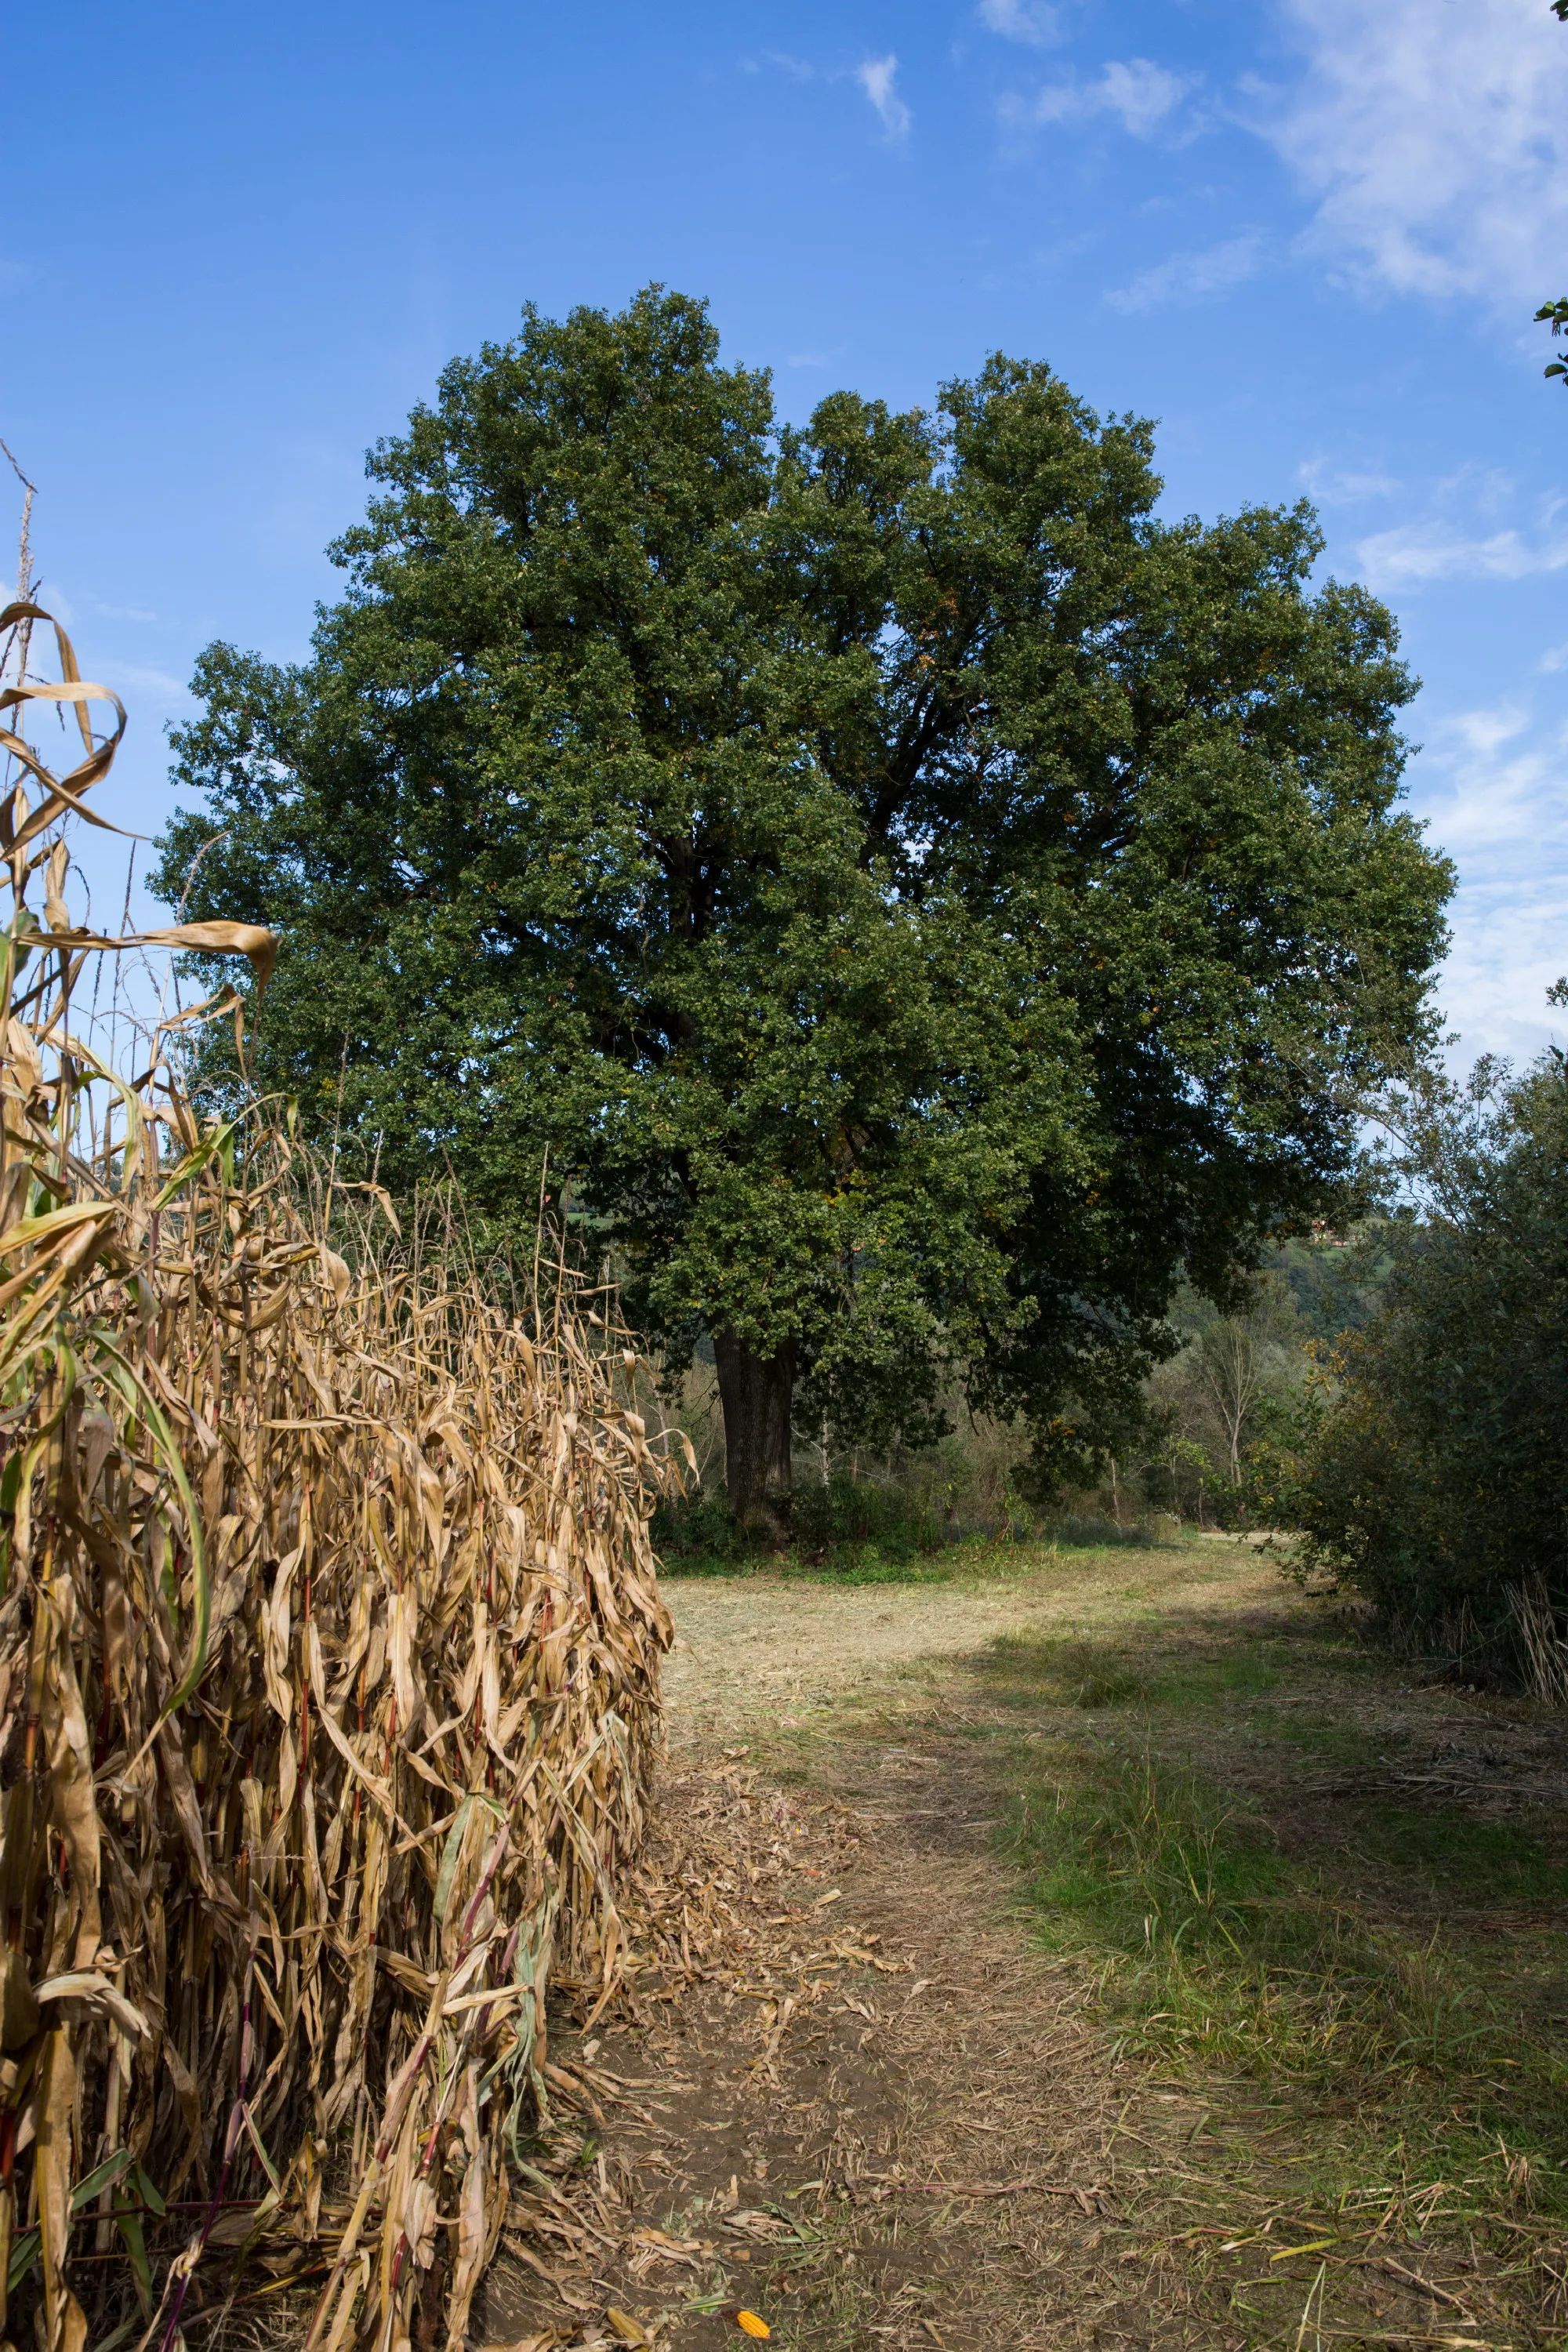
[137,678]
[1021,20]
[1481,733]
[876,78]
[1488,785]
[85,600]
[797,69]
[1190,277]
[1413,554]
[1142,95]
[67,605]
[1336,486]
[1435,141]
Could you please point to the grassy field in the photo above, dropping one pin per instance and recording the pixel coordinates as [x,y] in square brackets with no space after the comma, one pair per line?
[906,1548]
[1331,1901]
[1287,1875]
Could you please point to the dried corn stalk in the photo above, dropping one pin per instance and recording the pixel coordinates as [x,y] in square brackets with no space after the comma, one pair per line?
[329,1643]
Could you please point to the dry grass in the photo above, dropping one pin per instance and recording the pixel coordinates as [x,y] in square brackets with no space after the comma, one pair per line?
[329,1640]
[1103,1840]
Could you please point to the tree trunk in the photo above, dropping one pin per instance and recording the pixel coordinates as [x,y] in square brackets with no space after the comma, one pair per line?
[756,1393]
[1229,1364]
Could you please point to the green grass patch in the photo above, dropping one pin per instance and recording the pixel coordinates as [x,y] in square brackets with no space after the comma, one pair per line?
[1485,1865]
[1231,1952]
[974,1558]
[859,1565]
[1146,1860]
[1067,1672]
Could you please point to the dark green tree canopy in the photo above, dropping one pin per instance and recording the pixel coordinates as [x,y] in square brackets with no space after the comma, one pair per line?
[929,904]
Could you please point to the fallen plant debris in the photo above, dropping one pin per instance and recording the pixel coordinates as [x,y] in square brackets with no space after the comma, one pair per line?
[1011,2067]
[329,1645]
[714,1917]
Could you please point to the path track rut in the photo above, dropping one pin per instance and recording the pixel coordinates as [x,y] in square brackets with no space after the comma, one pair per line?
[889,2126]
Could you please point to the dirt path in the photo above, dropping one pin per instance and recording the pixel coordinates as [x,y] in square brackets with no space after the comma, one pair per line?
[878,2119]
[852,2091]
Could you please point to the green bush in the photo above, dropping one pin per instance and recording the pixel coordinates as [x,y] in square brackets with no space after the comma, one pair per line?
[1079,1531]
[830,1525]
[698,1532]
[847,1513]
[1434,1475]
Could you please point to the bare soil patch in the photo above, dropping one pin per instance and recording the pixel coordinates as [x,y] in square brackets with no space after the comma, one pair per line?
[876,2118]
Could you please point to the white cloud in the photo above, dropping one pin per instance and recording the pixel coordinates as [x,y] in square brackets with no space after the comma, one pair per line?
[1332,486]
[1485,731]
[1414,554]
[1488,785]
[69,606]
[1140,93]
[876,78]
[797,69]
[120,612]
[1017,20]
[1435,140]
[1188,276]
[135,678]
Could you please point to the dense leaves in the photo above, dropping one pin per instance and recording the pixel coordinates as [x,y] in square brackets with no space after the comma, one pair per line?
[926,902]
[1435,1478]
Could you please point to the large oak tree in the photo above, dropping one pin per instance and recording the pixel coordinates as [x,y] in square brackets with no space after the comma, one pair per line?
[929,903]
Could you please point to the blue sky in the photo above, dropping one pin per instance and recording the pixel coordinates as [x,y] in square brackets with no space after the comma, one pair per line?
[1305,234]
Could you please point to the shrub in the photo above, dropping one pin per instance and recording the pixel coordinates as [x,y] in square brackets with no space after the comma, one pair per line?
[829,1525]
[1435,1477]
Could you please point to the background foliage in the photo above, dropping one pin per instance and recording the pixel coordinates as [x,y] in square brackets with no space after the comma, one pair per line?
[1434,1479]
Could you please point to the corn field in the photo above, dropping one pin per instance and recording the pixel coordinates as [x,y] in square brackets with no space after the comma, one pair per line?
[329,1646]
